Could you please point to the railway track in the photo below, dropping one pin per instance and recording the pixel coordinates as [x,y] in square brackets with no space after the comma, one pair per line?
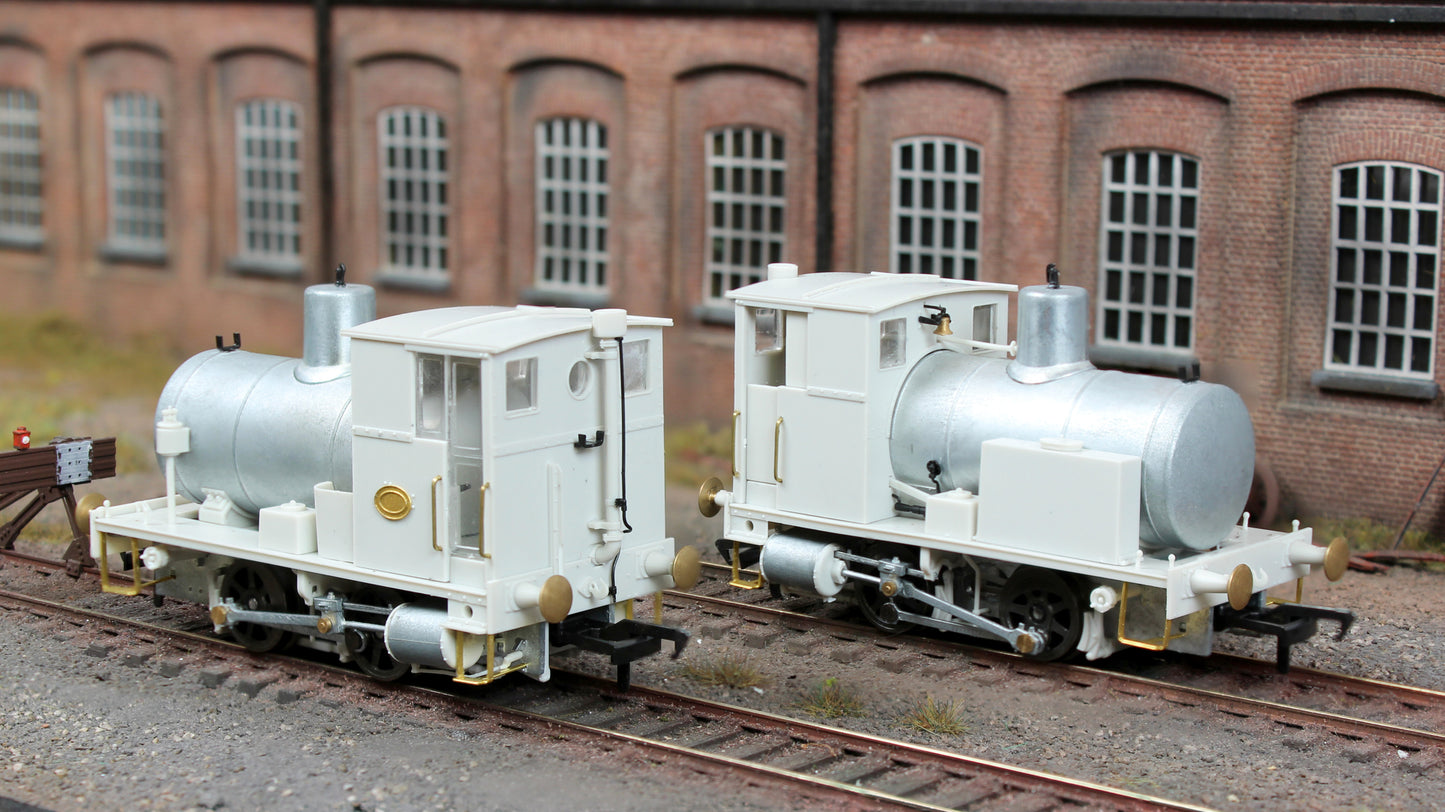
[1405,717]
[817,762]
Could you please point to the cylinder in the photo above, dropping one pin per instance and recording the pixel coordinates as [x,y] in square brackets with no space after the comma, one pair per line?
[415,635]
[1195,440]
[256,431]
[802,563]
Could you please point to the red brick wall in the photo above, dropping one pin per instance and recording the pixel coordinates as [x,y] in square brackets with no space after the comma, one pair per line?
[1268,109]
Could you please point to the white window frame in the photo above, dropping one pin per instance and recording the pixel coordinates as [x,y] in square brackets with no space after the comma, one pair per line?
[746,208]
[268,184]
[414,169]
[22,205]
[573,195]
[1384,269]
[136,172]
[935,216]
[1149,250]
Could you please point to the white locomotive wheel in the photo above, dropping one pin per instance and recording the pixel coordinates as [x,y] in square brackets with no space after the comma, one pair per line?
[1047,602]
[258,587]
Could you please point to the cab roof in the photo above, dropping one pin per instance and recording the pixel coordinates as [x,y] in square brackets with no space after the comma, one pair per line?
[487,330]
[854,292]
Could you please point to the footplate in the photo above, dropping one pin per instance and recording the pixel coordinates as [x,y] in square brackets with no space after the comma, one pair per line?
[1289,623]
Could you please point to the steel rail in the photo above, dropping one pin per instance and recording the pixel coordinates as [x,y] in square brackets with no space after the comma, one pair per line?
[1400,736]
[1079,791]
[1011,777]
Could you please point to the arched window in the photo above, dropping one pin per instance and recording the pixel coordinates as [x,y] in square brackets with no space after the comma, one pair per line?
[268,182]
[21,205]
[572,202]
[136,171]
[934,223]
[1384,263]
[1148,241]
[745,199]
[415,191]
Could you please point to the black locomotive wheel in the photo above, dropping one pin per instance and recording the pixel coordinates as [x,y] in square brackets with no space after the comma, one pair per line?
[257,587]
[1046,602]
[369,649]
[876,610]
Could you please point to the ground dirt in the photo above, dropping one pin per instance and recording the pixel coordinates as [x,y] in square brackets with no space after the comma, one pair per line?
[74,731]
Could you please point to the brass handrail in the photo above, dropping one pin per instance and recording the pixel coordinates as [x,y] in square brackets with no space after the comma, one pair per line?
[436,480]
[482,521]
[734,445]
[777,448]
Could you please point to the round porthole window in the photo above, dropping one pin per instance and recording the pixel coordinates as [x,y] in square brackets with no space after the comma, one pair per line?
[579,380]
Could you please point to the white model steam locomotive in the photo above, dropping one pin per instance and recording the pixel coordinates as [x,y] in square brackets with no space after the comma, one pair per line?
[455,490]
[884,438]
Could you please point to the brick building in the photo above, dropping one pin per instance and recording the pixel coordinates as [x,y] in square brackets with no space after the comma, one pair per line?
[1253,185]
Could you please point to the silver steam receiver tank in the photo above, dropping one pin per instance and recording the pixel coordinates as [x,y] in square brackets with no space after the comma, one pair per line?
[1195,439]
[265,429]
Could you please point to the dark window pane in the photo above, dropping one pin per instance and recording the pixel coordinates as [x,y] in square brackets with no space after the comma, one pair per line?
[1111,325]
[1419,355]
[1113,284]
[1374,183]
[1374,224]
[1345,306]
[1370,308]
[1349,183]
[1158,329]
[1424,313]
[1140,215]
[1371,275]
[1136,287]
[1394,352]
[1399,269]
[1340,347]
[1395,310]
[1184,292]
[1347,229]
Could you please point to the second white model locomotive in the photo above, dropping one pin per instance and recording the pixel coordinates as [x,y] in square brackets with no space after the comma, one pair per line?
[886,437]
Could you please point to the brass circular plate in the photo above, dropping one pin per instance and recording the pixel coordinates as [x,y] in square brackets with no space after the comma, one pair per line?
[392,502]
[555,600]
[705,504]
[1337,558]
[87,503]
[686,568]
[218,615]
[888,588]
[1241,586]
[325,624]
[1026,644]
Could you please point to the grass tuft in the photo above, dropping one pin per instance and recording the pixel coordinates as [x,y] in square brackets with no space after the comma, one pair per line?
[727,670]
[831,700]
[933,716]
